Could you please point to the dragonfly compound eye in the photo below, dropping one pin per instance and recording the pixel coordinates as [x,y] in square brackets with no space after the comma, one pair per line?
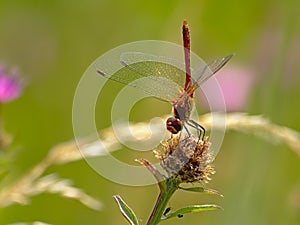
[174,125]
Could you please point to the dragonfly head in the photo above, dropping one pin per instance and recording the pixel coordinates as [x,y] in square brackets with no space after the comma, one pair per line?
[174,125]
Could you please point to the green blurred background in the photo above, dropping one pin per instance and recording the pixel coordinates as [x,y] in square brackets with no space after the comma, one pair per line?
[53,42]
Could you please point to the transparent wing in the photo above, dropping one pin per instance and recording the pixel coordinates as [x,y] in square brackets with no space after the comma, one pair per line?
[155,66]
[209,70]
[154,75]
[217,64]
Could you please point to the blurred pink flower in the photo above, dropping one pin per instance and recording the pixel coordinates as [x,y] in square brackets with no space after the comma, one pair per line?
[10,86]
[236,84]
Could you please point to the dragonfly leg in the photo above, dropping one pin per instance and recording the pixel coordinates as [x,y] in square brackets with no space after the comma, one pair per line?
[198,127]
[187,130]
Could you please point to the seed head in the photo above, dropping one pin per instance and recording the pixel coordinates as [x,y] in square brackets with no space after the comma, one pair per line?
[187,159]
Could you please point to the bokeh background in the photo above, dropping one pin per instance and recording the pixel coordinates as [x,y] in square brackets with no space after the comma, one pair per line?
[53,42]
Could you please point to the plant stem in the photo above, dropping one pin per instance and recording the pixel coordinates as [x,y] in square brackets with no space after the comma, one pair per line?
[162,201]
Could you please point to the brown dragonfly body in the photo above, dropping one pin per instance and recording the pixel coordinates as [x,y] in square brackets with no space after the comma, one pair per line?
[139,65]
[182,107]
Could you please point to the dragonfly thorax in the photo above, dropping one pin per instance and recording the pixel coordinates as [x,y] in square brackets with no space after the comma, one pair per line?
[183,106]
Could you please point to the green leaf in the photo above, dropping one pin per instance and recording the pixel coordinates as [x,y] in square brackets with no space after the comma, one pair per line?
[203,190]
[189,209]
[126,211]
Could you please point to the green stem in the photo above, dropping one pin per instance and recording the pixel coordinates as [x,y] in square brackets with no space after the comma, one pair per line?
[162,201]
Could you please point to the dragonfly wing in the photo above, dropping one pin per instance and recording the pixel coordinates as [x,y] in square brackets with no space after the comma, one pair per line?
[217,64]
[158,87]
[210,69]
[155,66]
[155,86]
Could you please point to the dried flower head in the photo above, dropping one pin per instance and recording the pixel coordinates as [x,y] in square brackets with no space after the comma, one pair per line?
[10,86]
[187,159]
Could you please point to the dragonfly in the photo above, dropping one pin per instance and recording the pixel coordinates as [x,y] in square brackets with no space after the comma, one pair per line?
[164,78]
